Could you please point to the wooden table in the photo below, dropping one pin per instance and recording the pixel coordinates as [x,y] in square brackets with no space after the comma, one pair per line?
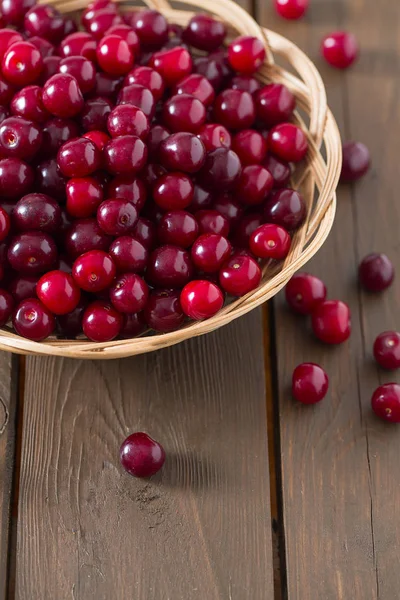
[307,508]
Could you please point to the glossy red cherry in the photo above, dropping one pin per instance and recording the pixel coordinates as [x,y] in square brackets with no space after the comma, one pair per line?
[139,96]
[279,170]
[141,456]
[37,212]
[62,96]
[270,241]
[102,20]
[169,267]
[286,208]
[291,9]
[376,272]
[33,320]
[250,146]
[234,109]
[356,161]
[214,136]
[130,188]
[79,44]
[84,196]
[182,152]
[8,37]
[129,293]
[58,292]
[84,235]
[117,216]
[79,158]
[32,252]
[44,21]
[288,142]
[5,224]
[99,138]
[331,321]
[210,251]
[183,112]
[163,311]
[387,350]
[94,271]
[211,69]
[125,155]
[129,255]
[240,275]
[309,383]
[173,64]
[22,64]
[201,299]
[14,11]
[204,32]
[82,69]
[101,322]
[20,138]
[151,28]
[27,103]
[148,78]
[178,228]
[198,86]
[246,54]
[385,402]
[126,119]
[16,178]
[173,191]
[128,35]
[45,47]
[114,55]
[212,221]
[6,306]
[254,185]
[304,292]
[340,49]
[221,170]
[274,103]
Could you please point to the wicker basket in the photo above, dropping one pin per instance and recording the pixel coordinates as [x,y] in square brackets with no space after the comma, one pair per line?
[317,179]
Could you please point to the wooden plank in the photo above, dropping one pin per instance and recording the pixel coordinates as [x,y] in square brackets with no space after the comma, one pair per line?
[340,481]
[8,403]
[201,529]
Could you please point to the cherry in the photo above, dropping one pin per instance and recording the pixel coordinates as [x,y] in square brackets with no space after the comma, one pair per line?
[234,109]
[139,96]
[27,103]
[114,55]
[45,47]
[212,221]
[169,267]
[157,134]
[22,64]
[141,456]
[246,54]
[101,322]
[84,196]
[32,252]
[70,325]
[69,26]
[82,69]
[309,383]
[99,138]
[210,251]
[385,402]
[198,86]
[6,92]
[117,216]
[182,151]
[36,212]
[148,78]
[95,114]
[151,27]
[128,120]
[145,232]
[8,37]
[204,32]
[229,207]
[33,320]
[62,96]
[91,9]
[6,306]
[178,228]
[49,180]
[387,349]
[201,299]
[58,292]
[125,155]
[23,287]
[270,241]
[102,21]
[254,185]
[247,83]
[94,271]
[79,44]
[130,188]
[183,112]
[211,69]
[5,224]
[376,272]
[51,64]
[14,11]
[129,255]
[128,35]
[133,326]
[279,170]
[20,138]
[221,169]
[286,208]
[16,178]
[107,86]
[45,22]
[331,321]
[340,49]
[240,275]
[173,191]
[274,103]
[163,311]
[129,293]
[201,199]
[288,142]
[172,64]
[356,161]
[291,9]
[244,228]
[250,146]
[304,292]
[84,235]
[214,136]
[79,158]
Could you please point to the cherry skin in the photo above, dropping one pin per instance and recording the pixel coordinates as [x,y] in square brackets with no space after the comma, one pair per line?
[286,208]
[130,188]
[14,11]
[50,181]
[270,241]
[198,86]
[183,112]
[309,383]
[151,27]
[385,402]
[32,252]
[84,235]
[8,37]
[79,44]
[95,114]
[16,178]
[99,138]
[57,132]
[247,83]
[62,96]
[229,208]
[79,158]
[204,33]
[20,138]
[141,456]
[356,161]
[210,251]
[125,155]
[387,350]
[36,212]
[157,134]
[129,293]
[84,196]
[254,185]
[173,64]
[114,55]
[279,170]
[23,287]
[45,47]
[340,49]
[51,65]
[5,224]
[22,64]
[102,21]
[94,271]
[234,109]
[169,267]
[148,78]
[250,146]
[163,311]
[211,69]
[133,326]
[173,191]
[58,292]
[128,120]
[117,216]
[212,221]
[129,255]
[6,306]
[82,69]
[246,54]
[44,21]
[331,321]
[7,92]
[178,228]
[101,322]
[182,152]
[33,320]
[221,170]
[244,228]
[145,232]
[128,35]
[240,275]
[27,103]
[291,9]
[201,299]
[139,96]
[376,272]
[304,292]
[214,136]
[287,142]
[275,104]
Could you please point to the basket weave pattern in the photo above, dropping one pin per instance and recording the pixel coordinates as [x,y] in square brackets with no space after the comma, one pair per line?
[317,179]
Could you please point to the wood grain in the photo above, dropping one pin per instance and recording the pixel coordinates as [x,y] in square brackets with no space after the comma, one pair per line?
[340,477]
[201,529]
[8,402]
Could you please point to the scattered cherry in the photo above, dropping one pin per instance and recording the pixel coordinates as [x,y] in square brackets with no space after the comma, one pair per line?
[309,383]
[386,402]
[356,161]
[376,272]
[291,9]
[331,321]
[304,292]
[340,49]
[141,456]
[387,350]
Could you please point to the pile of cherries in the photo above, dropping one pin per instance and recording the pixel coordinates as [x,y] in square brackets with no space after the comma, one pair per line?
[144,171]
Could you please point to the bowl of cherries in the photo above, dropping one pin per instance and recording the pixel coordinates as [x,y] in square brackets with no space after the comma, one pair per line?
[156,180]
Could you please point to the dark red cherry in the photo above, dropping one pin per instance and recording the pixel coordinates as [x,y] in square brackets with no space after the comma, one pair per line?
[157,134]
[82,69]
[79,44]
[95,114]
[141,456]
[114,55]
[229,207]
[129,255]
[204,32]
[198,86]
[148,78]
[250,146]
[45,47]
[210,251]
[27,103]
[244,228]
[33,320]
[376,272]
[287,142]
[270,241]
[356,161]
[172,64]
[79,158]
[125,155]
[36,212]
[133,326]
[201,299]
[178,228]
[387,350]
[94,271]
[182,151]
[101,322]
[129,293]
[340,49]
[275,104]
[183,112]
[49,180]
[23,287]
[14,11]
[84,196]
[331,321]
[70,325]
[84,235]
[309,383]
[102,20]
[234,109]
[221,170]
[58,292]
[254,185]
[169,267]
[163,311]
[130,188]
[214,136]
[20,138]
[32,252]
[16,178]
[62,96]
[286,208]
[126,119]
[279,170]
[44,21]
[246,54]
[117,216]
[240,275]
[212,221]
[246,83]
[22,64]
[173,191]
[145,232]
[151,28]
[139,96]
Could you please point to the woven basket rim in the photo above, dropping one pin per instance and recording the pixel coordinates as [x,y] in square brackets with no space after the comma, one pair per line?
[318,172]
